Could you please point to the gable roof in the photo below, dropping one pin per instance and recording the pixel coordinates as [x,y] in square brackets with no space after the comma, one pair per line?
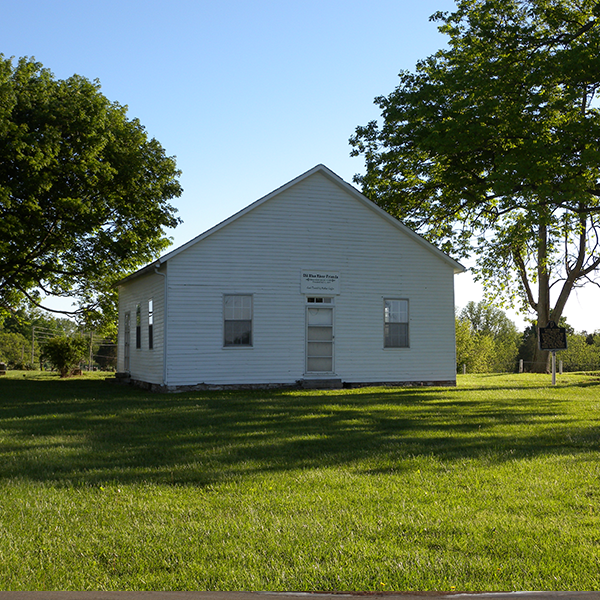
[329,174]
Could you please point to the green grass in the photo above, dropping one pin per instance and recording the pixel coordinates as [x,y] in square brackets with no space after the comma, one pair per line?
[493,485]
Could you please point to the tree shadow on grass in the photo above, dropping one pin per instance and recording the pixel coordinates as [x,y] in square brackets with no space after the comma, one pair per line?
[89,432]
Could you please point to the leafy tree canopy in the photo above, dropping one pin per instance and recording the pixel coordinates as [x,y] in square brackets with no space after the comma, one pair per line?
[488,320]
[491,147]
[486,339]
[24,320]
[84,193]
[14,349]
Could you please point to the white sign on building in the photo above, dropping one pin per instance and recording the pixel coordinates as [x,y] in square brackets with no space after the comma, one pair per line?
[320,282]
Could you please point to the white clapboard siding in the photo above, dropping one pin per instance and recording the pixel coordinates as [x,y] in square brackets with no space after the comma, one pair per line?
[145,364]
[314,224]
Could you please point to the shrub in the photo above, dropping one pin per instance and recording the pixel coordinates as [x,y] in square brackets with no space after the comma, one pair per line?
[65,353]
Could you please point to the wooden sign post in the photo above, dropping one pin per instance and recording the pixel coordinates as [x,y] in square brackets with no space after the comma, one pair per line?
[552,338]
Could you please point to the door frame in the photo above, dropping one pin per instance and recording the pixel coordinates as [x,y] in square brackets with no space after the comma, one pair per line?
[325,303]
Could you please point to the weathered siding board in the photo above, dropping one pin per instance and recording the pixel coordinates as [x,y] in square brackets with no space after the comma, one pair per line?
[313,225]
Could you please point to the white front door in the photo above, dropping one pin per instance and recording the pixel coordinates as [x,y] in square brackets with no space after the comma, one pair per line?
[319,339]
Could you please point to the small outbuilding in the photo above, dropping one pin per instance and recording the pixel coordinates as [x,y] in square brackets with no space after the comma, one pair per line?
[313,285]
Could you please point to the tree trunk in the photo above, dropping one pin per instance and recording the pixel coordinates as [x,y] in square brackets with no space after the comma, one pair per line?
[541,358]
[541,361]
[575,270]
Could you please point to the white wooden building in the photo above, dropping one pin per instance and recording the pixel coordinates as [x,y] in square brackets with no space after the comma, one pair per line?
[311,285]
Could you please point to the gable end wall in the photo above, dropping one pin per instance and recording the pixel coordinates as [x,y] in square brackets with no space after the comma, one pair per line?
[312,225]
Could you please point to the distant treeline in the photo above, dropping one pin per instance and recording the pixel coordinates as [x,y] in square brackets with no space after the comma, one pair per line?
[487,341]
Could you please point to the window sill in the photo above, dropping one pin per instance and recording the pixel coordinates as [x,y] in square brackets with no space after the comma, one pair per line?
[240,347]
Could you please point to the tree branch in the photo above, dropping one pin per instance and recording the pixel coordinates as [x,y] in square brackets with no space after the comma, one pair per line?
[69,313]
[523,274]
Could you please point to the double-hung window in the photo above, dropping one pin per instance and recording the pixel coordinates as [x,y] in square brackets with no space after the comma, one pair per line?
[395,318]
[237,320]
[138,326]
[151,324]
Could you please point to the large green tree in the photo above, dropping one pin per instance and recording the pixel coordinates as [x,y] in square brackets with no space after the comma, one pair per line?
[491,148]
[15,350]
[84,192]
[486,339]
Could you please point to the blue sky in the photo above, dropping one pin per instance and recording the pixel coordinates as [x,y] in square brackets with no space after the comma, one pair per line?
[247,95]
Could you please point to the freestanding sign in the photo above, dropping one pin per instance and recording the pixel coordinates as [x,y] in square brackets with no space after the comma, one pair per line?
[552,338]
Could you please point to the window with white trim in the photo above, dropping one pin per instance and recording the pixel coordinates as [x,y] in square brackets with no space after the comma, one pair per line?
[237,320]
[138,327]
[151,323]
[395,318]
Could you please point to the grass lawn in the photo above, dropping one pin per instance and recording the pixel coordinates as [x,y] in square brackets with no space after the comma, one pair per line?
[493,485]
